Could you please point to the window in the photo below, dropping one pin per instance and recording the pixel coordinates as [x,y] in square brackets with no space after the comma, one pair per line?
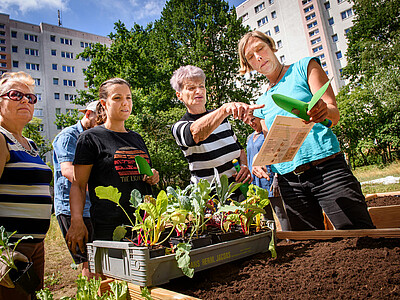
[3,49]
[54,66]
[34,67]
[305,2]
[347,13]
[314,41]
[40,127]
[37,81]
[327,73]
[57,96]
[323,64]
[66,41]
[67,54]
[322,56]
[58,111]
[245,17]
[314,32]
[262,21]
[282,58]
[327,5]
[3,65]
[346,31]
[334,38]
[2,56]
[259,7]
[69,111]
[311,25]
[30,37]
[33,52]
[69,82]
[2,26]
[82,44]
[341,72]
[2,33]
[14,34]
[276,29]
[316,49]
[340,1]
[14,49]
[279,44]
[339,54]
[310,17]
[39,96]
[69,69]
[2,41]
[310,8]
[85,58]
[38,112]
[268,32]
[53,52]
[331,21]
[273,14]
[69,97]
[55,81]
[271,2]
[53,38]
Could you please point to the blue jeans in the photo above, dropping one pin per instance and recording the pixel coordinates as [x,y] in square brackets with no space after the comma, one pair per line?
[330,187]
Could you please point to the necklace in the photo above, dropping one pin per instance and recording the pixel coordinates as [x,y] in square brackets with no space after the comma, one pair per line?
[272,84]
[32,152]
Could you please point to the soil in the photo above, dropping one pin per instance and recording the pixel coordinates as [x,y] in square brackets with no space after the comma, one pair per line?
[384,201]
[351,268]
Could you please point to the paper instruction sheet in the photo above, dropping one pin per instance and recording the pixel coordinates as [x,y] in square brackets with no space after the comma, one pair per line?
[283,140]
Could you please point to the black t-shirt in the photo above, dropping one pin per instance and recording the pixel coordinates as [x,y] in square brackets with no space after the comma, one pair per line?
[112,155]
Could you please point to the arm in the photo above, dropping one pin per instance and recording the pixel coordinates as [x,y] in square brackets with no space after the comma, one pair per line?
[326,107]
[77,233]
[262,171]
[67,170]
[203,127]
[4,153]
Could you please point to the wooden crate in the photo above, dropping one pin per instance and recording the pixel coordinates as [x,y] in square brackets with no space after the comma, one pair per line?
[156,293]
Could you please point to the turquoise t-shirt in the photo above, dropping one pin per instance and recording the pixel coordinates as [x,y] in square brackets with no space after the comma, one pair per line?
[321,141]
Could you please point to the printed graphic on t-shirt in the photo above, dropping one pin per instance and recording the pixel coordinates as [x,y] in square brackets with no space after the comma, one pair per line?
[125,165]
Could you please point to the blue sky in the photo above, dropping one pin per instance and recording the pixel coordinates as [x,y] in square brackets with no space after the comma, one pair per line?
[93,16]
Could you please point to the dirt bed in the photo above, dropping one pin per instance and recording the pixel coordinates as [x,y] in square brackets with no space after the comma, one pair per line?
[353,268]
[384,201]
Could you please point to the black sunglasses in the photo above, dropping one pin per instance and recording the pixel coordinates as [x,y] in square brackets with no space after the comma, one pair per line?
[17,96]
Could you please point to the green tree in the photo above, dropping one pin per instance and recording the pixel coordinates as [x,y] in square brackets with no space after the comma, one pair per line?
[32,131]
[65,120]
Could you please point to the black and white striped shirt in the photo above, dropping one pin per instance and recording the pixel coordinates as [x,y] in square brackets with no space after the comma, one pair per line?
[217,151]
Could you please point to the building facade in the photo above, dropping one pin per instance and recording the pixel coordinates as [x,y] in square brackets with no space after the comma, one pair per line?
[303,28]
[49,54]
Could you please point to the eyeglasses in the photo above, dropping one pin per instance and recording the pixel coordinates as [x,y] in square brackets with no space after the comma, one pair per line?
[17,96]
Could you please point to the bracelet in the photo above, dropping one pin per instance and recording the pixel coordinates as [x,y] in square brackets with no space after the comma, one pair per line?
[244,166]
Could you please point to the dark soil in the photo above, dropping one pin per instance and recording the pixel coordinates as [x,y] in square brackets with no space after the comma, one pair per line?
[353,268]
[384,201]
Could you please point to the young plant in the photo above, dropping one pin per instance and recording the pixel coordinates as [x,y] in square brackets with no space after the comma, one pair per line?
[7,249]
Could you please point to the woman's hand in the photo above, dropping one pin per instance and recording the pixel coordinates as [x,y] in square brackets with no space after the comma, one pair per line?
[152,179]
[261,172]
[244,175]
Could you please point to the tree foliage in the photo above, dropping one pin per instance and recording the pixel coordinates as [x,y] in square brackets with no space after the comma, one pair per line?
[370,103]
[32,131]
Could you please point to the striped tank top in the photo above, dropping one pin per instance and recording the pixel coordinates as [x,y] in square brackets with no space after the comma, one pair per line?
[25,201]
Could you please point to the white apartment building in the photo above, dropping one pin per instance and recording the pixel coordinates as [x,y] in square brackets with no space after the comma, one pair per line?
[303,28]
[49,54]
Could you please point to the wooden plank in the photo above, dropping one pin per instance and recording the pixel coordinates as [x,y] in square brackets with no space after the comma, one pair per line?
[370,196]
[388,194]
[385,216]
[329,234]
[155,292]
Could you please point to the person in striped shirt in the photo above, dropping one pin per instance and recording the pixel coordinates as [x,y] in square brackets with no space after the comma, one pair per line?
[205,136]
[25,201]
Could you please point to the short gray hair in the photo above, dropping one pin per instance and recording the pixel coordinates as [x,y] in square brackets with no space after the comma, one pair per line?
[183,73]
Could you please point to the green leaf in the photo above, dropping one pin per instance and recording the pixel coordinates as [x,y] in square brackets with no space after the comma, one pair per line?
[109,193]
[162,202]
[183,259]
[136,198]
[145,293]
[119,233]
[119,289]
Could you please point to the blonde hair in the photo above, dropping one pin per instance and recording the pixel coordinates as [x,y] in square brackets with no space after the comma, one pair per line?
[21,77]
[244,64]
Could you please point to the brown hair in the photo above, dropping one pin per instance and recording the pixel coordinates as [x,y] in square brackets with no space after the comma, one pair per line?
[244,64]
[103,94]
[18,77]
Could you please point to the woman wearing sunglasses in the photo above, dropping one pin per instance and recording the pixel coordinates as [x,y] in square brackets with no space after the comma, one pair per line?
[25,202]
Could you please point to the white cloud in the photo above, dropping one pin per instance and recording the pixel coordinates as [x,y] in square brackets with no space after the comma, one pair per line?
[23,6]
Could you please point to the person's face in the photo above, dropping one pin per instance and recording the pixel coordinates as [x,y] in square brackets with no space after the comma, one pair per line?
[91,116]
[260,56]
[193,93]
[255,123]
[118,105]
[16,111]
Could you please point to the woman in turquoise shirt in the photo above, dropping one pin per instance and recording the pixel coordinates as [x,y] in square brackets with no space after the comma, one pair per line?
[318,178]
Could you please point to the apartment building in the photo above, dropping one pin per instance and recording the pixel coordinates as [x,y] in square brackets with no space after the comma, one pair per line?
[303,28]
[49,54]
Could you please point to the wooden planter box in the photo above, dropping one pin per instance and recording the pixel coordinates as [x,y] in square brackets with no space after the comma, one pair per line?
[384,216]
